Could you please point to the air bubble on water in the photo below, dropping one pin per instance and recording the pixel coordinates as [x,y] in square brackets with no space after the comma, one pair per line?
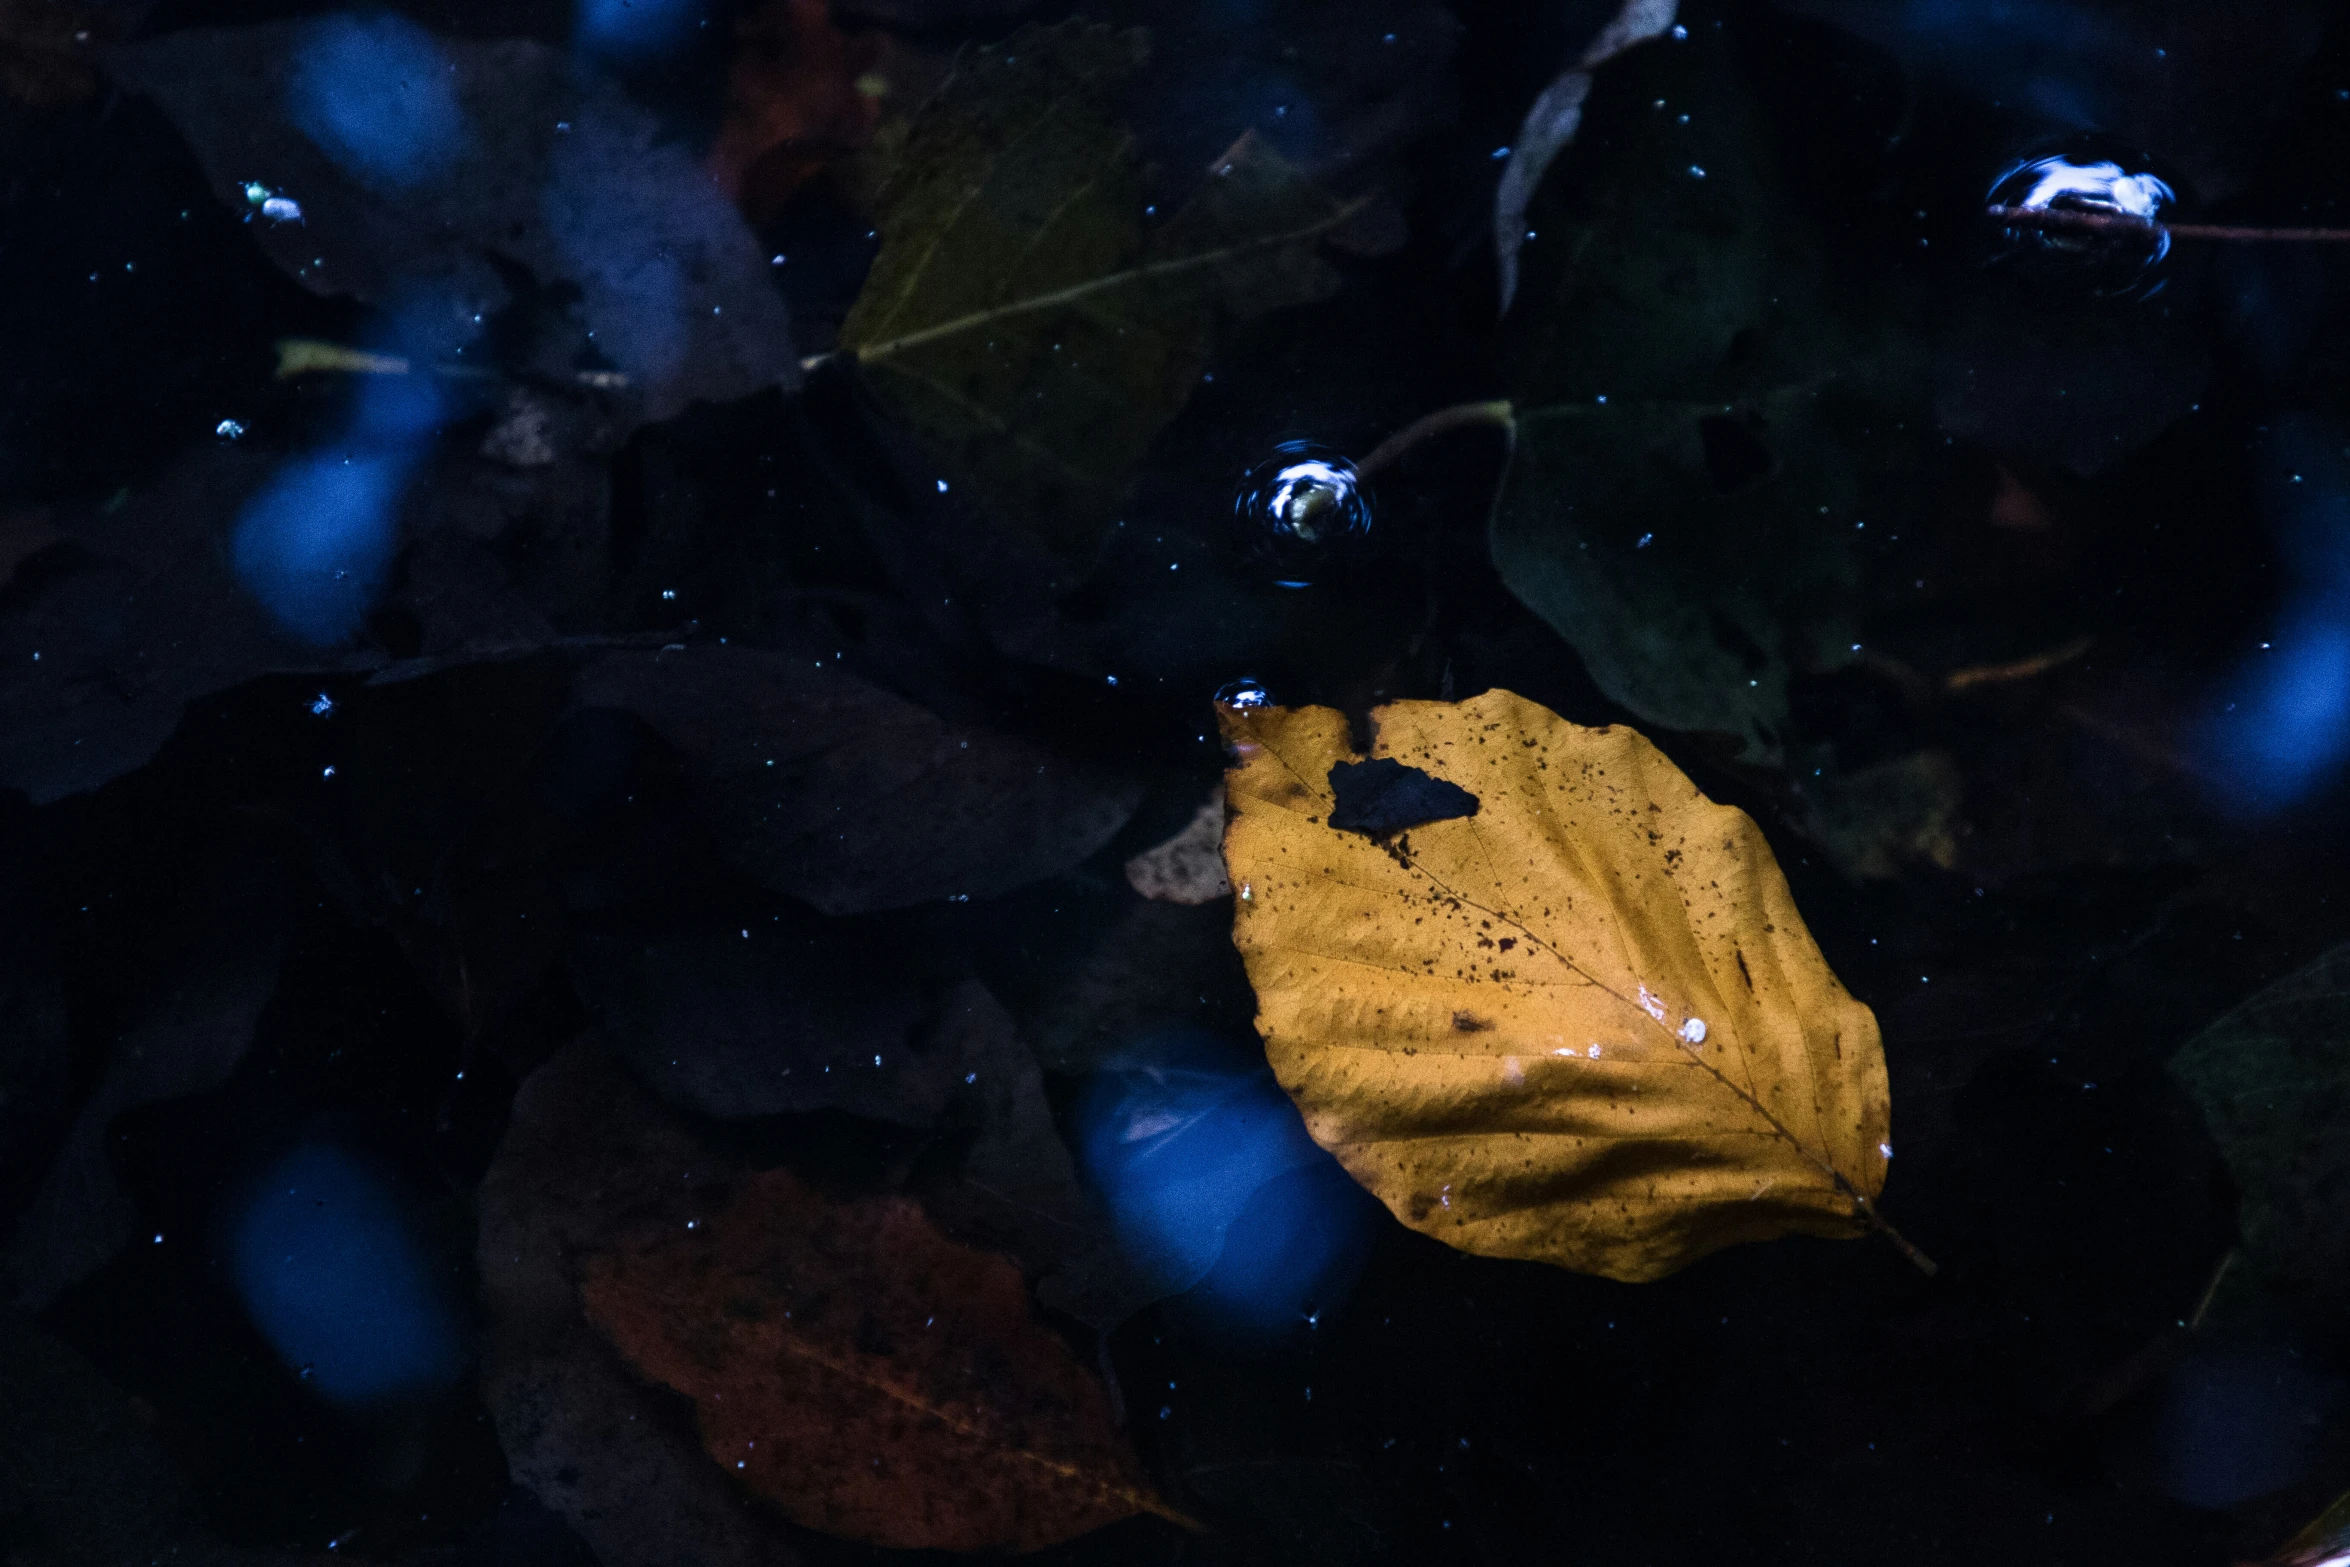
[2096,177]
[1244,693]
[1302,510]
[228,429]
[1693,1031]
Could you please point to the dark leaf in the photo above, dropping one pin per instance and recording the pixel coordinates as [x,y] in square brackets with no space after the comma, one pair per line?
[82,1476]
[834,791]
[200,996]
[109,625]
[760,1011]
[2273,1079]
[1023,319]
[587,1156]
[1700,430]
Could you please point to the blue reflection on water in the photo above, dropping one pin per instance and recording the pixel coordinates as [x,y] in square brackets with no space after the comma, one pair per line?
[315,545]
[2283,729]
[377,96]
[636,29]
[1215,1185]
[2238,1425]
[328,1268]
[615,243]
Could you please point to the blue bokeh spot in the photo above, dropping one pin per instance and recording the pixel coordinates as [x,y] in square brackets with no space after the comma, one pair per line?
[636,29]
[378,96]
[332,1275]
[314,546]
[1215,1186]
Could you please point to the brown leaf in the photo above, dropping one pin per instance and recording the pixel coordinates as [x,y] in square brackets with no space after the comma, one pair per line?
[869,1376]
[1583,1024]
[800,93]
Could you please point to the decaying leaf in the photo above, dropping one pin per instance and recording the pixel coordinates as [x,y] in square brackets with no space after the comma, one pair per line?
[1189,867]
[869,1376]
[1023,318]
[1584,1025]
[1551,123]
[2273,1078]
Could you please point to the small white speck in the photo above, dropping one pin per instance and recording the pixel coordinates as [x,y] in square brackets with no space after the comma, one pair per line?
[1693,1031]
[228,429]
[942,486]
[1885,1150]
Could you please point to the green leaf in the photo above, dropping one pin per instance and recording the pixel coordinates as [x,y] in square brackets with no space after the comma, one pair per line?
[1702,425]
[1023,320]
[2273,1080]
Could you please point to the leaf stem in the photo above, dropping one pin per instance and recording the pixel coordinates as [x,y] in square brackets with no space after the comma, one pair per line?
[2122,223]
[1460,416]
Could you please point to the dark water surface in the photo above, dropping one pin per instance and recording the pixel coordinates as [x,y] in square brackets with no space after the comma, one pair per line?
[614,623]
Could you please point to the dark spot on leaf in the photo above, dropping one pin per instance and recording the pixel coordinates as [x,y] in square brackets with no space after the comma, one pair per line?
[1383,796]
[1468,1024]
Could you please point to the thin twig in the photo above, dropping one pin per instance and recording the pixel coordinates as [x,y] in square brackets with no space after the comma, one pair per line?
[2123,223]
[1460,416]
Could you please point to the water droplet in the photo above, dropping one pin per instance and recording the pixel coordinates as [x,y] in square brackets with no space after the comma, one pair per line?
[1302,511]
[228,429]
[321,705]
[1244,693]
[1693,1031]
[2099,179]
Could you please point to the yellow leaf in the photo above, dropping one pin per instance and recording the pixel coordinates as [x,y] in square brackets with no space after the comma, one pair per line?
[1584,1024]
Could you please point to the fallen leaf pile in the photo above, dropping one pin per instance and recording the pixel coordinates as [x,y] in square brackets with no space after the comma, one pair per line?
[1578,1020]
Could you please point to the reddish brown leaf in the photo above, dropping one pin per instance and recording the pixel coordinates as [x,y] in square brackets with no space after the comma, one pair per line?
[869,1376]
[801,93]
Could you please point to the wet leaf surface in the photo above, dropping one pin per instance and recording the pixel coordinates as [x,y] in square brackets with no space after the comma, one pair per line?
[1584,1025]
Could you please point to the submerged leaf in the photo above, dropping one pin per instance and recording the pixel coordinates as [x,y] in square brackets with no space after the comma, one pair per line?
[1701,426]
[2273,1079]
[1021,319]
[832,790]
[1585,1025]
[874,1379]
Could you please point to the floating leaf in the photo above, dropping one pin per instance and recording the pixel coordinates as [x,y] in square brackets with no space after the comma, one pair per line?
[1584,1025]
[1022,320]
[2273,1078]
[1695,444]
[869,1376]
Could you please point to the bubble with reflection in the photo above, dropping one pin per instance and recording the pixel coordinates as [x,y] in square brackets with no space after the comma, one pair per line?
[2117,248]
[1302,511]
[1244,692]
